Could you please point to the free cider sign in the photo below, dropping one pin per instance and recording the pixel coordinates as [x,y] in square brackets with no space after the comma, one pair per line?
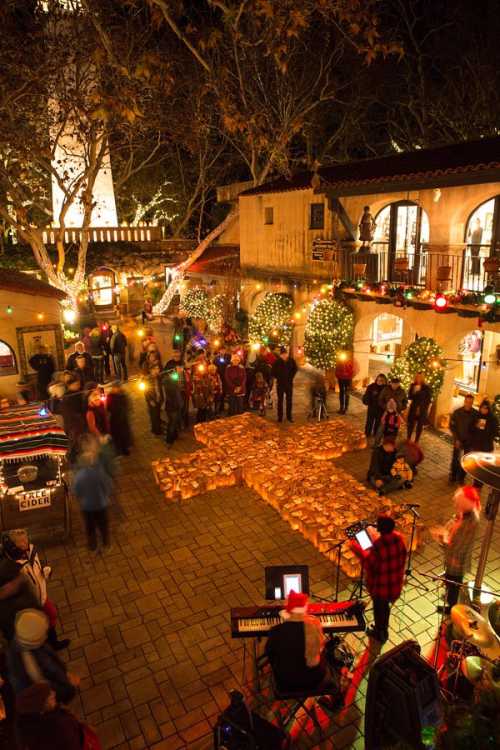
[32,502]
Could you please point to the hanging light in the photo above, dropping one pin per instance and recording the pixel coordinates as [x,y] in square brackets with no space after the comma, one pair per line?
[440,302]
[69,316]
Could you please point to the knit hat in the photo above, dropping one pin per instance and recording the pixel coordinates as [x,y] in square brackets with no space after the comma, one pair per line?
[33,699]
[468,498]
[297,603]
[31,627]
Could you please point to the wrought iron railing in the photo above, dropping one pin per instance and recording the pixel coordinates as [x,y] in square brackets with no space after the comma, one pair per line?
[420,268]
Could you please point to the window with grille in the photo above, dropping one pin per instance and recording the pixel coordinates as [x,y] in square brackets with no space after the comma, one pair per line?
[317,216]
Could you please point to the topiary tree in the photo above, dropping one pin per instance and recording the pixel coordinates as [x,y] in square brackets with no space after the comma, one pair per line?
[329,328]
[271,320]
[195,303]
[424,356]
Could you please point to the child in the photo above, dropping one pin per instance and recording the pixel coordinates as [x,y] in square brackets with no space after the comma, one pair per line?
[259,394]
[390,423]
[216,388]
[17,547]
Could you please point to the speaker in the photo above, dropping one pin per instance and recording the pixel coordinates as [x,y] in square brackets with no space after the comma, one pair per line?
[239,728]
[402,698]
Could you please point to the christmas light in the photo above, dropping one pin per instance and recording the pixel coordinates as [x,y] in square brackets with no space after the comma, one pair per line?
[440,302]
[258,286]
[177,337]
[256,346]
[174,375]
[329,329]
[216,342]
[43,412]
[490,298]
[8,310]
[40,316]
[342,356]
[201,368]
[425,356]
[140,333]
[272,318]
[195,303]
[69,316]
[297,315]
[141,385]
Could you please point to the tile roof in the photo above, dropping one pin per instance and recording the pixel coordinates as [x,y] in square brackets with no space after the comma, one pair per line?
[465,161]
[24,283]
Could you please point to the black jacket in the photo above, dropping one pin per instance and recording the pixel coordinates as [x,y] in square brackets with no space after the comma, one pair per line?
[371,397]
[461,424]
[44,366]
[398,395]
[285,649]
[420,399]
[381,463]
[482,433]
[284,370]
[118,343]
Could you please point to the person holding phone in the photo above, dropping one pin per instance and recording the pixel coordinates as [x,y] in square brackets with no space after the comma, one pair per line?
[384,565]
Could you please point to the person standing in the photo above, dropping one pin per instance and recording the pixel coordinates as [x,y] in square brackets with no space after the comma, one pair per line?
[390,422]
[396,391]
[215,390]
[118,406]
[96,415]
[96,351]
[73,413]
[80,352]
[457,538]
[420,397]
[154,399]
[92,487]
[202,392]
[344,372]
[384,565]
[235,376]
[118,346]
[222,360]
[371,400]
[44,366]
[461,422]
[284,371]
[174,404]
[483,430]
[16,546]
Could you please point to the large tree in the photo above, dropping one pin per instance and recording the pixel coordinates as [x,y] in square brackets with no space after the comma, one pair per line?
[271,70]
[74,85]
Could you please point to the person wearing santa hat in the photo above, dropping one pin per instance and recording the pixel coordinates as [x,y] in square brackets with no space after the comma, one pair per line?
[457,538]
[295,650]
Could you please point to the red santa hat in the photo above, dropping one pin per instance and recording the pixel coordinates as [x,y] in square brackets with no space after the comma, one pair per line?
[297,603]
[468,498]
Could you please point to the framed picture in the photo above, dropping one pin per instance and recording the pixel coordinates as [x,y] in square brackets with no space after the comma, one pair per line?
[30,338]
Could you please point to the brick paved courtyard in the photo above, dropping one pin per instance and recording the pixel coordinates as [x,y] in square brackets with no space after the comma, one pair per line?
[149,621]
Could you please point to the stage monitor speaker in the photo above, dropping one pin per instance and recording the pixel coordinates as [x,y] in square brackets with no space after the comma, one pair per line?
[281,579]
[402,699]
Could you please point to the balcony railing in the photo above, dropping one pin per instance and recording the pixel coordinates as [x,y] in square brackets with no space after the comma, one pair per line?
[422,268]
[143,233]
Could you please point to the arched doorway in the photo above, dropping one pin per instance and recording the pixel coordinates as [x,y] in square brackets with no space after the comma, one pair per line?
[8,364]
[401,236]
[386,340]
[482,237]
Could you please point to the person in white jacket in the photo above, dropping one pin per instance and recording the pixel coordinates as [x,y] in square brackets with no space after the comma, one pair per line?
[16,546]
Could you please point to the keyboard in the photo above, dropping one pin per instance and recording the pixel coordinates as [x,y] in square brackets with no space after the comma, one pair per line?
[335,617]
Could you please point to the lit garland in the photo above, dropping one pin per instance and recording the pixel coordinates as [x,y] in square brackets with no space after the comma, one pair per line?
[271,320]
[329,328]
[424,356]
[195,303]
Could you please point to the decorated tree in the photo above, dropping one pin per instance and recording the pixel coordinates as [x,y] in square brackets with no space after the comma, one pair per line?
[329,328]
[195,303]
[424,356]
[215,313]
[271,320]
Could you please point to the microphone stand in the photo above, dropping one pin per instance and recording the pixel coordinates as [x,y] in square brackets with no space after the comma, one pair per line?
[338,546]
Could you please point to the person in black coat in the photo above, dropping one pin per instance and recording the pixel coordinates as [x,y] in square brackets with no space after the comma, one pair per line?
[73,409]
[284,371]
[118,406]
[483,429]
[80,352]
[118,346]
[222,360]
[371,400]
[44,366]
[420,396]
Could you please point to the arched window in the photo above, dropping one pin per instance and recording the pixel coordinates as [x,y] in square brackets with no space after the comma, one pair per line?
[401,234]
[482,237]
[8,364]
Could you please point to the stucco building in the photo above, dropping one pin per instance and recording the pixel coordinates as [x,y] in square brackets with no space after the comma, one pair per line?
[437,228]
[30,315]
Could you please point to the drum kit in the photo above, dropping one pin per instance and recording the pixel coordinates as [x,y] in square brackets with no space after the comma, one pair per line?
[473,659]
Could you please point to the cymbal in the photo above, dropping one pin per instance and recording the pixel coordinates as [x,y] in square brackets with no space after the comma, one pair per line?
[470,625]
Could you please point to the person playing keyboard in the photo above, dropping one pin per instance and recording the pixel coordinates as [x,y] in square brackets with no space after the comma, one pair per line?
[295,649]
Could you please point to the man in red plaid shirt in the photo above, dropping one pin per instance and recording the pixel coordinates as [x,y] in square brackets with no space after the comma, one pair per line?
[384,565]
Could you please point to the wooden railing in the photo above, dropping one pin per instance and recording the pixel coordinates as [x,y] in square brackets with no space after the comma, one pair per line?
[143,233]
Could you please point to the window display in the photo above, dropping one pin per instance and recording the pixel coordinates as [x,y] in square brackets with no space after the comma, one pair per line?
[469,366]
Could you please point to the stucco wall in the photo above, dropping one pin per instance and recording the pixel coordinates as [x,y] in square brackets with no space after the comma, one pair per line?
[25,311]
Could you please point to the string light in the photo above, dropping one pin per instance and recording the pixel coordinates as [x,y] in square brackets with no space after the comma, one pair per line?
[40,316]
[69,316]
[201,368]
[256,346]
[141,333]
[217,342]
[141,385]
[272,318]
[425,356]
[342,356]
[329,328]
[490,298]
[8,310]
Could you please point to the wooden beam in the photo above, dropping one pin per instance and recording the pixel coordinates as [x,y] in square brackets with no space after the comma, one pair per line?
[336,206]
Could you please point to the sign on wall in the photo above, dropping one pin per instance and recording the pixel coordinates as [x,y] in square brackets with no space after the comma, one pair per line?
[27,502]
[323,249]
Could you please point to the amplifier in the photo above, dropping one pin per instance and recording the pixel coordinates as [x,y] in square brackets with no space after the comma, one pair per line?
[402,698]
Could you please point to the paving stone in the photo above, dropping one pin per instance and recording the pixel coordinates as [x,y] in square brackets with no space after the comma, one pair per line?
[136,636]
[96,697]
[110,733]
[98,650]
